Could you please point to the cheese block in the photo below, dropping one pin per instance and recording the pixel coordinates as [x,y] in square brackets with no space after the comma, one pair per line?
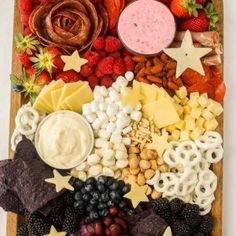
[41,107]
[149,93]
[81,96]
[68,90]
[55,96]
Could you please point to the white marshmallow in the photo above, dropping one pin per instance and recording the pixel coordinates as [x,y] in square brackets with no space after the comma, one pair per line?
[113,118]
[102,116]
[108,154]
[122,81]
[107,145]
[138,107]
[91,118]
[108,163]
[112,109]
[136,115]
[82,175]
[111,127]
[102,106]
[120,155]
[108,172]
[127,130]
[87,109]
[127,109]
[129,75]
[113,94]
[98,97]
[120,147]
[122,163]
[104,134]
[93,159]
[100,90]
[99,142]
[94,106]
[116,138]
[95,170]
[97,124]
[126,141]
[98,152]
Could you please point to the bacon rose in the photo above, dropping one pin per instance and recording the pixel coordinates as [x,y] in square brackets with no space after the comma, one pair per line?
[68,24]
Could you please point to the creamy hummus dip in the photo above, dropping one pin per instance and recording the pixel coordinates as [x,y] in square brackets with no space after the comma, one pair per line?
[64,139]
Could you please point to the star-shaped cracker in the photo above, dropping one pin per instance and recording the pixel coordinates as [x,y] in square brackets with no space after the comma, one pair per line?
[73,62]
[53,232]
[187,56]
[159,143]
[137,194]
[61,182]
[132,96]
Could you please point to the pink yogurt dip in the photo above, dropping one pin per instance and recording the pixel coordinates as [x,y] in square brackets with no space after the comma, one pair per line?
[146,27]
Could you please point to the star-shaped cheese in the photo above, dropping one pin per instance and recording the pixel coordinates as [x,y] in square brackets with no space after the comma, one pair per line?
[53,232]
[132,96]
[137,194]
[159,143]
[61,182]
[73,62]
[187,56]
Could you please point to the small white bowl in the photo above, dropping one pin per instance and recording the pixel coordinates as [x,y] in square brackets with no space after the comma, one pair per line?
[37,137]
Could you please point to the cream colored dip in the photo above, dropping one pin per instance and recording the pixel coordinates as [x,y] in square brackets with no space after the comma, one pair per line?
[64,139]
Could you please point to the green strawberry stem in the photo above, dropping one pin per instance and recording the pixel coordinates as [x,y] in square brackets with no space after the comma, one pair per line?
[191,7]
[212,15]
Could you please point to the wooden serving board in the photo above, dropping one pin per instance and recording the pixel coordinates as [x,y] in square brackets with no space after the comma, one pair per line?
[13,220]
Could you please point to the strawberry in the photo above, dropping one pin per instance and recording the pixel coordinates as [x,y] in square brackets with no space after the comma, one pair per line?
[48,59]
[220,92]
[119,67]
[68,76]
[27,31]
[99,43]
[106,65]
[113,44]
[185,8]
[196,24]
[93,81]
[202,2]
[106,81]
[26,5]
[166,2]
[25,59]
[86,70]
[30,71]
[92,57]
[43,78]
[25,18]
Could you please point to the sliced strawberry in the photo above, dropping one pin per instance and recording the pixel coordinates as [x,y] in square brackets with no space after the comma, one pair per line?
[30,71]
[220,92]
[43,79]
[202,87]
[25,59]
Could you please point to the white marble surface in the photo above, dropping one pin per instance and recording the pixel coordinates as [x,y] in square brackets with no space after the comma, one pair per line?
[6,19]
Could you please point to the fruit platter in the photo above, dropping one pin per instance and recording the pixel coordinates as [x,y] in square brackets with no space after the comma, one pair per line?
[116,125]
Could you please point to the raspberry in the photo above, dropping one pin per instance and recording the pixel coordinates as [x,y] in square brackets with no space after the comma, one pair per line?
[27,31]
[102,53]
[113,32]
[106,81]
[92,57]
[99,43]
[98,73]
[113,44]
[93,81]
[129,64]
[116,55]
[125,52]
[26,5]
[25,18]
[86,70]
[119,67]
[68,76]
[106,65]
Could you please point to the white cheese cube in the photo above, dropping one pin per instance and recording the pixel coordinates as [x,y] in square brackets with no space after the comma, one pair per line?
[196,113]
[203,100]
[182,92]
[207,115]
[190,123]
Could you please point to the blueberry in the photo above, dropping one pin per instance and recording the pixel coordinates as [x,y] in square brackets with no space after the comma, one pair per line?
[123,204]
[103,212]
[88,188]
[102,206]
[86,197]
[93,215]
[114,186]
[101,188]
[83,191]
[96,195]
[114,195]
[102,179]
[79,184]
[93,202]
[78,196]
[89,208]
[91,181]
[129,211]
[121,184]
[79,204]
[126,189]
[87,220]
[111,203]
[110,181]
[105,197]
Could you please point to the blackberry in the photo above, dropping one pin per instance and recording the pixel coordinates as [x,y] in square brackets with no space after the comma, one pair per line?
[68,199]
[39,226]
[56,221]
[190,211]
[23,230]
[193,222]
[71,221]
[206,224]
[166,215]
[181,228]
[161,205]
[58,209]
[199,234]
[176,205]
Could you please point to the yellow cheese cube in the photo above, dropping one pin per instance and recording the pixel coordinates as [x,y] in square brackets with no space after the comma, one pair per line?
[196,133]
[179,109]
[190,123]
[193,102]
[184,101]
[81,96]
[171,128]
[175,135]
[194,95]
[207,115]
[187,109]
[177,99]
[195,113]
[55,96]
[211,125]
[203,100]
[180,125]
[215,107]
[200,122]
[182,92]
[184,135]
